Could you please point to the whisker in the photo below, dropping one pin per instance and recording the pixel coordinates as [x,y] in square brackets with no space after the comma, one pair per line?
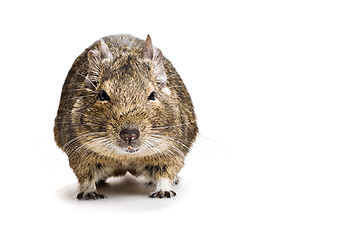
[176,87]
[171,139]
[150,148]
[74,90]
[85,124]
[95,69]
[175,74]
[91,95]
[155,147]
[90,143]
[86,115]
[178,125]
[168,148]
[81,75]
[82,136]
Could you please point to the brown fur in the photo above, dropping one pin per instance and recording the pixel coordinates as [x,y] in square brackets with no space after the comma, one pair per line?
[88,130]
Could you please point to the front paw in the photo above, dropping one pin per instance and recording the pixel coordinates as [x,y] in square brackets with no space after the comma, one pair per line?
[90,195]
[162,194]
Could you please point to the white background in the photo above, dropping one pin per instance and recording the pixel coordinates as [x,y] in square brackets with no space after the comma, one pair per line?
[275,86]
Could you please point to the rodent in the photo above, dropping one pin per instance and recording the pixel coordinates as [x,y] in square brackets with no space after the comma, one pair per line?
[124,108]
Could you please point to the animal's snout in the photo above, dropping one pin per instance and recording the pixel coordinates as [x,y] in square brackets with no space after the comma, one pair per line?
[129,134]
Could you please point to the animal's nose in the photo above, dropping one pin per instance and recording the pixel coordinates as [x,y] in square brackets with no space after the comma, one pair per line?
[129,134]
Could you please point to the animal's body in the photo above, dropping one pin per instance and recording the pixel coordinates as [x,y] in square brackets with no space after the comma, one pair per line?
[124,108]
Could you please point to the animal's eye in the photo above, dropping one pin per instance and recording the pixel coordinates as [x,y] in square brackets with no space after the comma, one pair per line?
[152,96]
[103,96]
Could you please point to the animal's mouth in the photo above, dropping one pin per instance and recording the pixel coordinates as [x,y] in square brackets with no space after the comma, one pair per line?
[130,149]
[129,146]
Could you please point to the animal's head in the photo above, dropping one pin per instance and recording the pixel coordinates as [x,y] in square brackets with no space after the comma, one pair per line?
[126,102]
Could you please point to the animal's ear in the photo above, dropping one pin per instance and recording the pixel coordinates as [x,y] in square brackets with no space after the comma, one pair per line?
[159,69]
[154,54]
[105,51]
[147,51]
[96,58]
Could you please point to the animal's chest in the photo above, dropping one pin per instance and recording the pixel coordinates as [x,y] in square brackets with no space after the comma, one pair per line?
[119,169]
